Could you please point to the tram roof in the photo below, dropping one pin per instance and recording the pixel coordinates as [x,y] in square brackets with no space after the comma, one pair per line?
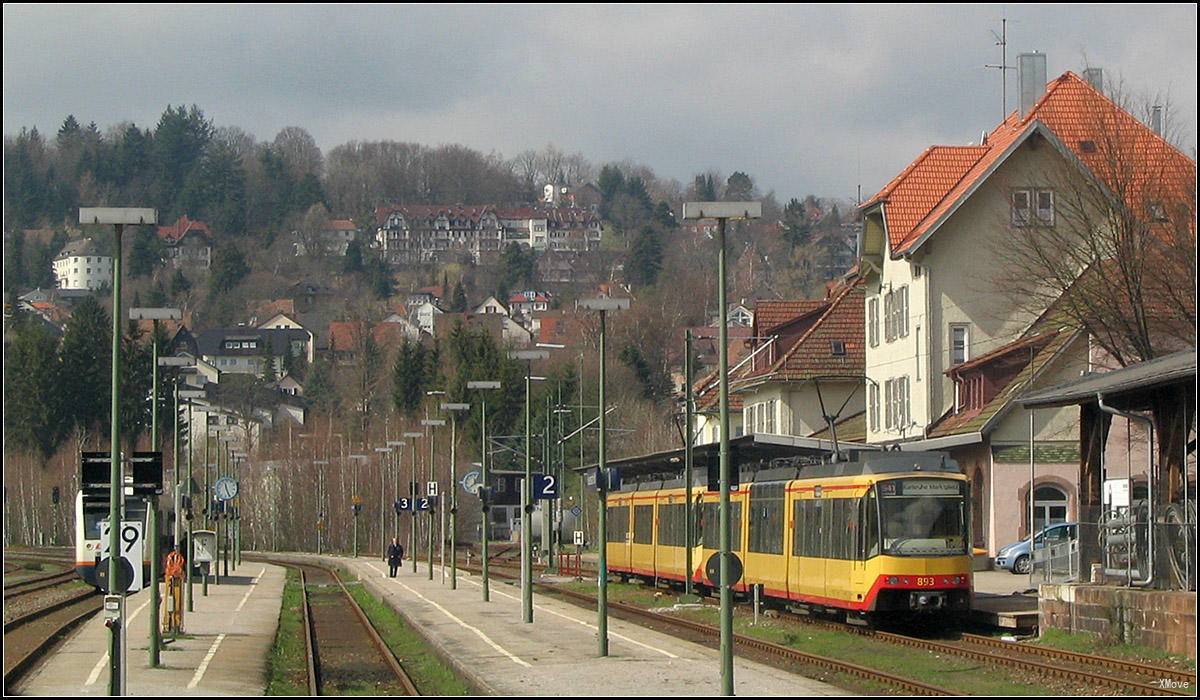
[756,447]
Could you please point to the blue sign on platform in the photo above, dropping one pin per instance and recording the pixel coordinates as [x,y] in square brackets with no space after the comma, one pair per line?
[577,511]
[545,487]
[424,502]
[404,504]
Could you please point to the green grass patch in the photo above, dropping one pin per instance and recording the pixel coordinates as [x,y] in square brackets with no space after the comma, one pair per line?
[427,671]
[33,566]
[1089,643]
[287,665]
[963,675]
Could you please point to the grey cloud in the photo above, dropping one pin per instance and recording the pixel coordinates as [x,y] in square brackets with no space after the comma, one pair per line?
[801,97]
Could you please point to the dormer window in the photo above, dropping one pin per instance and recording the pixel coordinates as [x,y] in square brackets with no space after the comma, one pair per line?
[837,348]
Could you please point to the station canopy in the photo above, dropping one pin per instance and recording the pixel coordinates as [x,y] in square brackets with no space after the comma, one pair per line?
[1130,388]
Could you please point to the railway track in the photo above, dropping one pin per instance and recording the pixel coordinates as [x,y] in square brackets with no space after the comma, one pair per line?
[28,638]
[38,583]
[1135,678]
[904,685]
[343,658]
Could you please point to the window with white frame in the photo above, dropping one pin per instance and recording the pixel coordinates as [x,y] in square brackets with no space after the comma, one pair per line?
[873,321]
[873,406]
[895,314]
[960,342]
[896,398]
[1033,207]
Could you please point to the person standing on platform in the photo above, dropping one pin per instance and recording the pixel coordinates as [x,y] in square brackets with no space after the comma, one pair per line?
[395,554]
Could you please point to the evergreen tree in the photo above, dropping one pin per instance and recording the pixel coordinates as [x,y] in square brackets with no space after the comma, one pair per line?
[408,377]
[228,268]
[739,187]
[179,142]
[796,227]
[706,188]
[136,379]
[179,283]
[353,261]
[266,362]
[144,253]
[33,403]
[645,258]
[319,388]
[459,305]
[611,182]
[14,263]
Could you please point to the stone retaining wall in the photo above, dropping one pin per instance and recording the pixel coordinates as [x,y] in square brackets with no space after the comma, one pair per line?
[1161,619]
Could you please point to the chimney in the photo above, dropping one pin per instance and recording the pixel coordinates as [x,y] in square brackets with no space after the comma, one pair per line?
[1031,79]
[1095,78]
[1156,119]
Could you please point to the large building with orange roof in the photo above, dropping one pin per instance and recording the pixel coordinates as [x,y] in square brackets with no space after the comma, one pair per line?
[947,349]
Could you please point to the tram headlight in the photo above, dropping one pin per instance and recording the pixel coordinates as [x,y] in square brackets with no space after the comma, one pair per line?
[893,580]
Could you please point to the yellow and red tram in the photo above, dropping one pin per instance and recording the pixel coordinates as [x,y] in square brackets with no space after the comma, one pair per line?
[885,532]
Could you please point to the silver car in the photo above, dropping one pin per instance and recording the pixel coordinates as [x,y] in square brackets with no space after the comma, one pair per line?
[1015,557]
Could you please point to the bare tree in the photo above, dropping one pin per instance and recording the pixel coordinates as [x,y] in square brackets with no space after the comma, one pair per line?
[1107,239]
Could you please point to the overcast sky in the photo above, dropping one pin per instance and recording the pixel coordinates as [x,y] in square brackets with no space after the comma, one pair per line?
[805,99]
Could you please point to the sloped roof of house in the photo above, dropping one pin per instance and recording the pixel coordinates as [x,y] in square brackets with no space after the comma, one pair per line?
[1072,113]
[210,342]
[342,225]
[771,313]
[418,213]
[80,246]
[177,231]
[833,345]
[1034,351]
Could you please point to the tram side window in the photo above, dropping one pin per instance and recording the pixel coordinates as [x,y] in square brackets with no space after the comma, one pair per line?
[809,528]
[617,523]
[870,524]
[711,525]
[766,519]
[643,524]
[670,525]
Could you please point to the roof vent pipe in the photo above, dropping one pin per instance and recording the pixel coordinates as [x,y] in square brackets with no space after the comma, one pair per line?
[1031,79]
[1156,119]
[1095,78]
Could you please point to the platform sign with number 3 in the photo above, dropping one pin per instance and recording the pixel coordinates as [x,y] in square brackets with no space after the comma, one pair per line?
[130,548]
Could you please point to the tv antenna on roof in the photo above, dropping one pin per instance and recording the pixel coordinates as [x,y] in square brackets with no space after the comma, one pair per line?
[1003,67]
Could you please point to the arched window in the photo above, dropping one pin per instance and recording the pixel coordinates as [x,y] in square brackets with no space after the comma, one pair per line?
[1049,506]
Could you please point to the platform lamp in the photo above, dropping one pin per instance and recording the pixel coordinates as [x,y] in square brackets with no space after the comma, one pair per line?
[603,305]
[188,395]
[527,490]
[412,438]
[485,492]
[430,487]
[118,218]
[397,454]
[384,454]
[452,492]
[547,463]
[238,458]
[723,212]
[356,500]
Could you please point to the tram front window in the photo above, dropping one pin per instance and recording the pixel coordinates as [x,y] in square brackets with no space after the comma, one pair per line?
[922,517]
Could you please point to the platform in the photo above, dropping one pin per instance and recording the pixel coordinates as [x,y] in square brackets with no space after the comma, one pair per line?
[556,655]
[228,639]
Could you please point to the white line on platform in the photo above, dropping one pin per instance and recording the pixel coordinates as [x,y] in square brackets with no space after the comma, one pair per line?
[212,651]
[95,674]
[590,626]
[251,590]
[451,615]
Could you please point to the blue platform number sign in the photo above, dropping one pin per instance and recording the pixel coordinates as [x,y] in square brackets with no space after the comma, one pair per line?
[423,502]
[403,504]
[545,487]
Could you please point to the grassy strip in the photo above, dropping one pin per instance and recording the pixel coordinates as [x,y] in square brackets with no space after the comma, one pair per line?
[964,675]
[1089,643]
[287,665]
[428,673]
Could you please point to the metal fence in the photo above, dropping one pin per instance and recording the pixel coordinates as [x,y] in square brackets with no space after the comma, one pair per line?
[1125,546]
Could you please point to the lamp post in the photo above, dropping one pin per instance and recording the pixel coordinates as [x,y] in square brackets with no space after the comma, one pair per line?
[722,212]
[384,455]
[547,464]
[603,305]
[356,501]
[452,492]
[238,458]
[432,424]
[187,395]
[485,493]
[412,438]
[396,456]
[118,219]
[527,490]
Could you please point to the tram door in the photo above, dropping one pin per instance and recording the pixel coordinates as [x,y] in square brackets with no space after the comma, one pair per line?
[858,540]
[809,545]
